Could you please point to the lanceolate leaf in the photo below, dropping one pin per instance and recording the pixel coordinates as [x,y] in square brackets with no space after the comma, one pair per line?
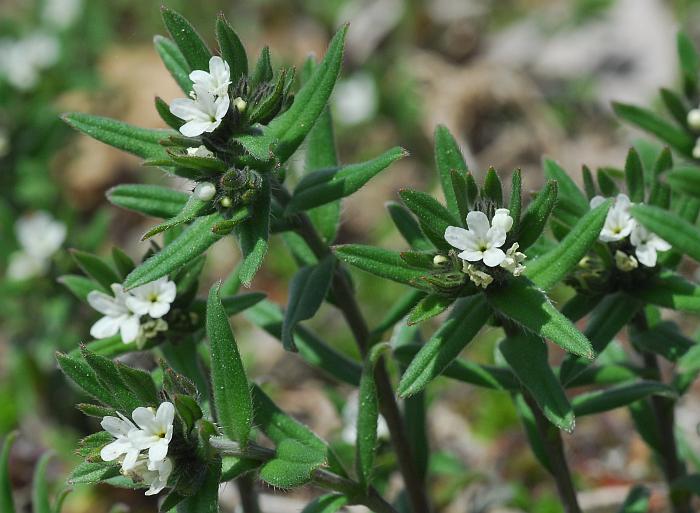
[637,501]
[143,142]
[634,176]
[552,267]
[527,417]
[678,232]
[292,466]
[685,179]
[193,49]
[96,268]
[80,285]
[380,262]
[432,216]
[40,488]
[254,234]
[598,401]
[292,127]
[448,157]
[570,198]
[306,294]
[428,307]
[229,382]
[464,322]
[6,502]
[367,418]
[192,209]
[206,498]
[408,226]
[186,247]
[328,185]
[174,61]
[647,120]
[92,473]
[527,356]
[330,503]
[82,375]
[690,63]
[152,200]
[232,49]
[521,302]
[535,217]
[670,291]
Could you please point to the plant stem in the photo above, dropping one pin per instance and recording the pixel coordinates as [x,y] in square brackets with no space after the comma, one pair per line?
[346,302]
[321,477]
[664,416]
[553,445]
[248,494]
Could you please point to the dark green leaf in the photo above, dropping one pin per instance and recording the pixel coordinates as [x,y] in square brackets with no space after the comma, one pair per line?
[675,106]
[448,158]
[493,189]
[408,226]
[206,498]
[123,262]
[681,234]
[254,234]
[292,466]
[164,112]
[535,217]
[40,487]
[428,307]
[377,261]
[6,502]
[571,199]
[647,120]
[109,377]
[174,61]
[96,268]
[670,291]
[92,473]
[151,200]
[432,216]
[685,179]
[330,503]
[140,383]
[598,401]
[232,49]
[634,176]
[263,69]
[193,49]
[690,63]
[80,286]
[527,417]
[637,500]
[515,204]
[193,208]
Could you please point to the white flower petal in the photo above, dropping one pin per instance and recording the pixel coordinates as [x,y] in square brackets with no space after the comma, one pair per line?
[495,237]
[471,255]
[493,257]
[478,223]
[165,415]
[106,327]
[158,451]
[130,328]
[457,237]
[646,255]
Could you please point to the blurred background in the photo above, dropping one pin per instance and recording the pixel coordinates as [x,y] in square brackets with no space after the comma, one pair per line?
[512,79]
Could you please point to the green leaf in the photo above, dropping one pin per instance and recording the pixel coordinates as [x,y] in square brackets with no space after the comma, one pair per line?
[80,286]
[606,182]
[164,112]
[232,49]
[193,49]
[527,417]
[232,467]
[535,217]
[92,473]
[397,312]
[140,383]
[229,382]
[448,158]
[380,262]
[552,267]
[307,291]
[367,419]
[527,356]
[82,375]
[292,466]
[634,176]
[193,208]
[675,106]
[685,179]
[678,232]
[6,502]
[206,498]
[408,226]
[689,61]
[151,200]
[292,127]
[493,189]
[461,193]
[191,243]
[588,183]
[174,62]
[428,307]
[650,122]
[515,204]
[327,185]
[263,69]
[96,268]
[312,349]
[330,503]
[123,262]
[526,305]
[663,339]
[669,291]
[253,235]
[571,199]
[143,142]
[40,488]
[590,403]
[637,500]
[432,216]
[466,319]
[109,377]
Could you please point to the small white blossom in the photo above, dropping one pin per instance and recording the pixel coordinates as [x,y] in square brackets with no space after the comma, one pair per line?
[619,221]
[625,262]
[156,429]
[21,61]
[153,298]
[693,119]
[478,277]
[154,474]
[61,13]
[200,151]
[204,191]
[513,261]
[217,80]
[355,99]
[39,236]
[118,317]
[646,245]
[202,113]
[481,241]
[123,430]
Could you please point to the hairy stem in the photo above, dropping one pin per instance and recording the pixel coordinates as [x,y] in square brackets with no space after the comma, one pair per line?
[321,477]
[248,494]
[553,445]
[347,303]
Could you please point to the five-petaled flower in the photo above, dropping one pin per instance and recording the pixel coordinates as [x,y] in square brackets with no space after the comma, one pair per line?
[202,113]
[39,236]
[482,241]
[619,221]
[217,80]
[123,430]
[154,474]
[156,429]
[153,298]
[118,317]
[646,245]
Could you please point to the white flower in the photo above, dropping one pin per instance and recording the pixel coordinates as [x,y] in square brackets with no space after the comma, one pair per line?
[118,317]
[646,245]
[153,473]
[502,220]
[61,13]
[204,191]
[39,236]
[153,298]
[619,222]
[218,79]
[478,277]
[203,112]
[21,61]
[693,119]
[625,262]
[200,151]
[512,262]
[123,430]
[480,242]
[355,99]
[156,429]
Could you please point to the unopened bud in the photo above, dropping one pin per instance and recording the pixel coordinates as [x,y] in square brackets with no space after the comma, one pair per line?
[239,104]
[204,191]
[696,150]
[440,259]
[693,119]
[226,202]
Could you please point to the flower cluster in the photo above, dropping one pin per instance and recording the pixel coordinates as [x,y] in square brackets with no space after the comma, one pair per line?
[39,236]
[136,314]
[482,242]
[208,103]
[619,225]
[151,430]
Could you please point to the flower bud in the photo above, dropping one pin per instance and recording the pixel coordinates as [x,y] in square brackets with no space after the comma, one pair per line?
[693,119]
[226,202]
[696,150]
[204,191]
[239,104]
[440,259]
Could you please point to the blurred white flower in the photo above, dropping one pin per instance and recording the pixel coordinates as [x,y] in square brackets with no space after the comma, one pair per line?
[217,80]
[156,430]
[355,99]
[153,298]
[646,245]
[619,221]
[481,241]
[118,317]
[202,113]
[123,430]
[61,14]
[200,151]
[693,119]
[21,61]
[39,236]
[154,474]
[350,412]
